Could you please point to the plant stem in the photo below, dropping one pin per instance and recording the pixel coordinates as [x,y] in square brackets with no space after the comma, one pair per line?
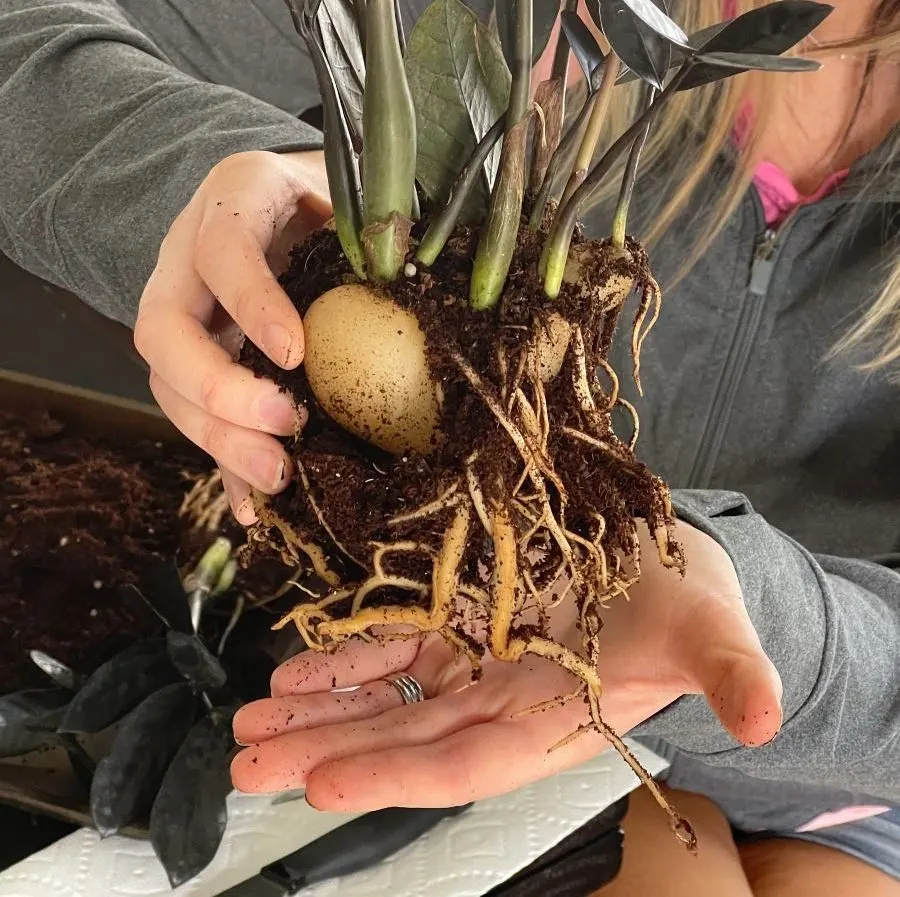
[498,240]
[600,101]
[340,158]
[562,160]
[389,150]
[556,249]
[559,70]
[620,217]
[442,224]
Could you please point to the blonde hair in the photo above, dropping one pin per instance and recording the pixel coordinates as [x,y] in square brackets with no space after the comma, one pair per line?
[708,116]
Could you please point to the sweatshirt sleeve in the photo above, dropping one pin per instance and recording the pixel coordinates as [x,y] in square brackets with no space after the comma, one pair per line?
[831,626]
[103,142]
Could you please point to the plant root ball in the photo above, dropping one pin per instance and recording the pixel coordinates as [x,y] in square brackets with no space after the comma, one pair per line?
[367,366]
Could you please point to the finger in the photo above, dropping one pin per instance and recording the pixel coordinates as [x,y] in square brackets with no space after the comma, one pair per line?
[256,457]
[726,660]
[244,284]
[745,694]
[478,762]
[284,762]
[239,497]
[353,663]
[434,668]
[204,373]
[263,720]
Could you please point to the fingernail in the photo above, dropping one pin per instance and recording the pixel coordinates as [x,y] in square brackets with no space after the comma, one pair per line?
[269,469]
[276,412]
[276,343]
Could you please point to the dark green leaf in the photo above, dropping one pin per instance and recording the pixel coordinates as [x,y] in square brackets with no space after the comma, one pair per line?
[189,813]
[647,12]
[544,15]
[460,87]
[162,589]
[342,47]
[636,44]
[770,30]
[29,718]
[584,46]
[195,662]
[118,686]
[56,670]
[679,54]
[743,62]
[128,777]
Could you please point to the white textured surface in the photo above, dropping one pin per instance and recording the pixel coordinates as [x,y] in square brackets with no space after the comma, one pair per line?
[462,857]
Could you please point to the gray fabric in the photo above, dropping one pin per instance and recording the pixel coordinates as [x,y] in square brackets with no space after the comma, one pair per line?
[108,127]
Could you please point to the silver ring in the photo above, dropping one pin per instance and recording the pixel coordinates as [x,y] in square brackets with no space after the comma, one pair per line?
[410,689]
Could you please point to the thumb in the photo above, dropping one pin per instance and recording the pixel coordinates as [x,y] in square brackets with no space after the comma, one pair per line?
[744,691]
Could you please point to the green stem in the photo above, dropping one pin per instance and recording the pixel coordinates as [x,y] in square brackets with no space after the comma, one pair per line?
[498,240]
[442,224]
[620,216]
[594,128]
[556,249]
[389,150]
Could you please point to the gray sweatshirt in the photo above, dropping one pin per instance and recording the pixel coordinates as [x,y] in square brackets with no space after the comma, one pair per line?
[112,113]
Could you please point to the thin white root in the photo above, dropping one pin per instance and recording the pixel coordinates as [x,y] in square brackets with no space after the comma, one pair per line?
[651,295]
[443,502]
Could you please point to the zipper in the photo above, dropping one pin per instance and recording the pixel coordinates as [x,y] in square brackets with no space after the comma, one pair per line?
[762,269]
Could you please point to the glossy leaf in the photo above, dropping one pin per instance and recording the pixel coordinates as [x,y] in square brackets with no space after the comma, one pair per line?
[679,54]
[770,30]
[119,686]
[128,777]
[584,46]
[544,15]
[189,814]
[342,47]
[743,62]
[29,718]
[460,86]
[637,45]
[647,12]
[55,670]
[195,662]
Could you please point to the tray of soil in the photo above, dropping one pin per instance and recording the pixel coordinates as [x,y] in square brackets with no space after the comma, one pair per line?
[131,632]
[460,472]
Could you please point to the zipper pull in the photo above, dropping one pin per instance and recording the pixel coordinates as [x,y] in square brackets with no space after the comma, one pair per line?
[763,264]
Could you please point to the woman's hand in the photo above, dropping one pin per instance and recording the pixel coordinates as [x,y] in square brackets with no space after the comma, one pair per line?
[362,750]
[212,284]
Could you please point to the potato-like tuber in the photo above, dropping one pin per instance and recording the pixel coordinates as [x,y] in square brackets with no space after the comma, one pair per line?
[367,366]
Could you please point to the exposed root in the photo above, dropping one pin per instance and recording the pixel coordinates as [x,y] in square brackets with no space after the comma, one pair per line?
[206,504]
[293,540]
[651,295]
[500,541]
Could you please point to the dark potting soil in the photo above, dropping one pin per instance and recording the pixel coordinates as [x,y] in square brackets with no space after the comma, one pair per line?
[80,518]
[358,488]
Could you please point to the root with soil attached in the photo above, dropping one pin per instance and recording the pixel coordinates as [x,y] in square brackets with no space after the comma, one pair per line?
[532,499]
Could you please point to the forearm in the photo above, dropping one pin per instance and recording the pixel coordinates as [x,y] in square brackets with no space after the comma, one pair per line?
[831,626]
[104,142]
